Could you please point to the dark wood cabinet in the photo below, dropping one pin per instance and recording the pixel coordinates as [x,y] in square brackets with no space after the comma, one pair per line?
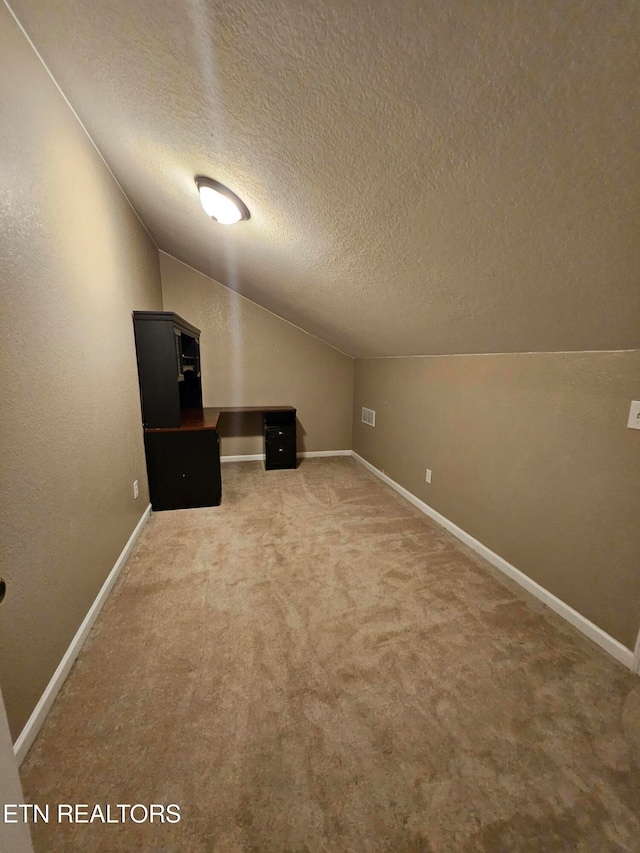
[180,438]
[184,468]
[168,354]
[280,439]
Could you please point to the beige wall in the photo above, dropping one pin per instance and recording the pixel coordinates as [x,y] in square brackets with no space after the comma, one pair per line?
[251,357]
[74,262]
[530,454]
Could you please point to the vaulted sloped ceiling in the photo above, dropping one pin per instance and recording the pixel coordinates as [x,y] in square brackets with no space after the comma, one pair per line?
[423,177]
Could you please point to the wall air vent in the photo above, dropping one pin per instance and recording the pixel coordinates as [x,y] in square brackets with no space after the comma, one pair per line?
[368,417]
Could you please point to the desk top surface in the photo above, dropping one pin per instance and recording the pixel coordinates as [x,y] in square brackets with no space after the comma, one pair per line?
[207,418]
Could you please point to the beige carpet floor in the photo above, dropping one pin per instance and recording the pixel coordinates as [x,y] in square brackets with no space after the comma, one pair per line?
[315,666]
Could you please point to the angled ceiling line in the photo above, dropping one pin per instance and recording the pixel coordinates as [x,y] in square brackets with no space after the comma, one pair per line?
[257,304]
[78,119]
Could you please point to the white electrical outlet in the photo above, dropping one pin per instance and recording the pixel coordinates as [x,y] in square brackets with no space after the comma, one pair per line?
[135,489]
[634,415]
[428,477]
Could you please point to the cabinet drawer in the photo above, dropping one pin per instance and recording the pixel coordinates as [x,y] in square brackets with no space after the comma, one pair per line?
[280,454]
[280,433]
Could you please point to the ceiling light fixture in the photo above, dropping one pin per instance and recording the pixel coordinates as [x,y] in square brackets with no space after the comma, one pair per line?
[220,203]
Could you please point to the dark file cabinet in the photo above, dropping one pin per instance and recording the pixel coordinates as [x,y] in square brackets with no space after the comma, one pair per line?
[280,439]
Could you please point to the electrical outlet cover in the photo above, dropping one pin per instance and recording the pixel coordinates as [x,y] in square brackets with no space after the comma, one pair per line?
[634,415]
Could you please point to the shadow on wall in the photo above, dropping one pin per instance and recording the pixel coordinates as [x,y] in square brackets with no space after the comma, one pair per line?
[240,425]
[250,425]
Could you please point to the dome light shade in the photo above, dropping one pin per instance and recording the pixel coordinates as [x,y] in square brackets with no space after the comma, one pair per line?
[220,203]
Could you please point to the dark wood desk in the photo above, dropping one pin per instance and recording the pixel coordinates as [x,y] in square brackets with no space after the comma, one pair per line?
[181,438]
[183,462]
[193,420]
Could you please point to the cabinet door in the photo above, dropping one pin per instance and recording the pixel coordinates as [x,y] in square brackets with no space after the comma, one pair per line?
[158,372]
[183,469]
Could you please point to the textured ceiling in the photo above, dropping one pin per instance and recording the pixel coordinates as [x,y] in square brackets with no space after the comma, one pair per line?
[443,177]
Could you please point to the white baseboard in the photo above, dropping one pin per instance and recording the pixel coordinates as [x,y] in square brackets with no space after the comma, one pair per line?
[312,454]
[307,454]
[248,457]
[605,641]
[37,718]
